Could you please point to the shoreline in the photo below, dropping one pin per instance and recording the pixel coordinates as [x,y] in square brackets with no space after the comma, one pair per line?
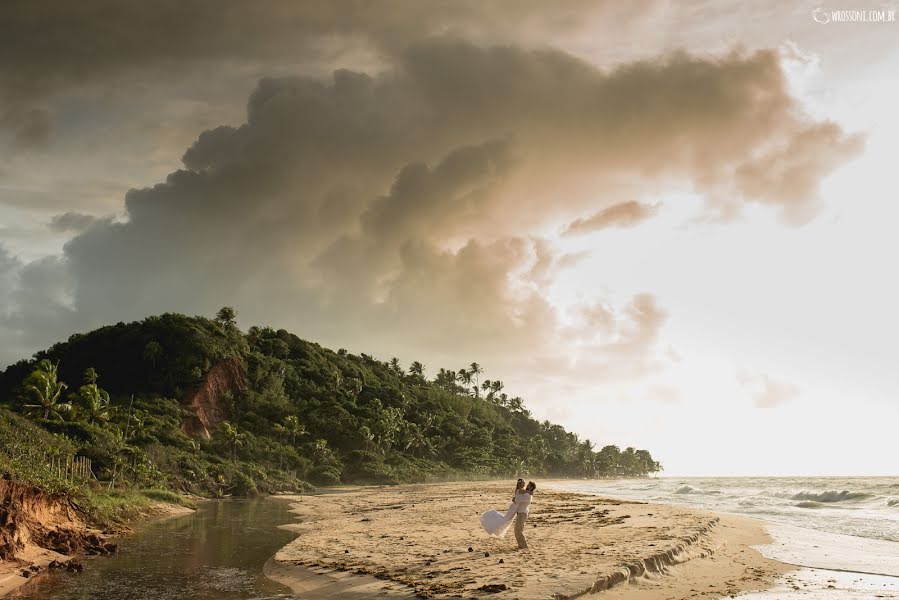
[426,540]
[829,564]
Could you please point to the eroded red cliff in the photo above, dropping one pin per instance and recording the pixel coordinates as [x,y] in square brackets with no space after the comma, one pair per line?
[207,402]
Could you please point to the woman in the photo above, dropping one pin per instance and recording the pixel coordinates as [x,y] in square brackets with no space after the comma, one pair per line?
[497,523]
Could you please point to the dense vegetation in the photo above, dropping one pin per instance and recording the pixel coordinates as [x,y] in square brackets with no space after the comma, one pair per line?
[298,412]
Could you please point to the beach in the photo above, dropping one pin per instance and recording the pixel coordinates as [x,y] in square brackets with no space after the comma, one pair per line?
[426,540]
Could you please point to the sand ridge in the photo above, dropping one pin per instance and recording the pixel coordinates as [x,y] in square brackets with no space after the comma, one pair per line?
[428,537]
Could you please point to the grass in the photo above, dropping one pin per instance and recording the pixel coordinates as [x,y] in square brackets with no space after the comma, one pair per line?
[117,508]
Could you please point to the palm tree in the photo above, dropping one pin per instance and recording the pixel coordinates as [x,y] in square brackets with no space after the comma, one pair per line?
[464,377]
[44,386]
[94,398]
[446,380]
[293,428]
[152,352]
[226,316]
[233,437]
[476,370]
[320,451]
[415,440]
[417,369]
[395,366]
[586,457]
[138,420]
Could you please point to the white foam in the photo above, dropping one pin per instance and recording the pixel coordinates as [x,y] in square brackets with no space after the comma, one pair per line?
[822,550]
[814,584]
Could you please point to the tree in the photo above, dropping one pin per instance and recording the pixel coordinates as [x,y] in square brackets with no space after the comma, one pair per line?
[137,422]
[645,462]
[416,369]
[293,428]
[464,377]
[607,460]
[94,399]
[395,366]
[226,316]
[476,371]
[446,380]
[152,352]
[233,437]
[586,458]
[44,387]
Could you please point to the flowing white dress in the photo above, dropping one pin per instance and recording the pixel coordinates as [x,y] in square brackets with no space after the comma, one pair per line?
[497,523]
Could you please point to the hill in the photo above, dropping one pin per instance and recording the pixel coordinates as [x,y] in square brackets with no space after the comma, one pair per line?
[194,404]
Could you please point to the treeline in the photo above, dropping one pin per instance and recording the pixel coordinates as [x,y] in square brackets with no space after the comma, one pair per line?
[289,412]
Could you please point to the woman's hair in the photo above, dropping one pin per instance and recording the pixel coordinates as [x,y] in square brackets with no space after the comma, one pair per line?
[519,484]
[531,486]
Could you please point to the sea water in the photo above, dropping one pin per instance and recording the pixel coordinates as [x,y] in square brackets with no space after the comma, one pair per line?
[842,531]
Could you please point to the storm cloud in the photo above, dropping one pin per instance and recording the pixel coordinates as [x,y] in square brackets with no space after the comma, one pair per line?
[406,206]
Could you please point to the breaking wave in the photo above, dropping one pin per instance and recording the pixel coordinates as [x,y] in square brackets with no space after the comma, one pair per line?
[831,496]
[813,504]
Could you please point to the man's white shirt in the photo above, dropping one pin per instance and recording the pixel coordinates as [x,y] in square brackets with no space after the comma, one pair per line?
[523,500]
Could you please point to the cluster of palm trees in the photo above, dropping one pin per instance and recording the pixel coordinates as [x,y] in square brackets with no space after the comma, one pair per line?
[46,393]
[90,404]
[464,381]
[289,429]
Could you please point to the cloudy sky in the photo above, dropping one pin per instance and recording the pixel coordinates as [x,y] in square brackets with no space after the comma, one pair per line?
[664,224]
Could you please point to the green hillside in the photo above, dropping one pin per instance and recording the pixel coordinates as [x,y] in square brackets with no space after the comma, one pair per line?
[196,405]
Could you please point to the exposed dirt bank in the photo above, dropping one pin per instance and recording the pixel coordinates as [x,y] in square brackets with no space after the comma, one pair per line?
[41,532]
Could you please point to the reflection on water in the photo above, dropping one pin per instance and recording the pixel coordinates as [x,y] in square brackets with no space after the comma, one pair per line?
[216,553]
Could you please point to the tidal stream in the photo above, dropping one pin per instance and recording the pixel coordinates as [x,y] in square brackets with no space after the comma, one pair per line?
[215,553]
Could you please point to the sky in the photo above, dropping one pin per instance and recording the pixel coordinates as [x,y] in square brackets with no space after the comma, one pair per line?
[666,225]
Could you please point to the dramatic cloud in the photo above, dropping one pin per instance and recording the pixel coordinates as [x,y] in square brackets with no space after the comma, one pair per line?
[404,209]
[86,44]
[625,214]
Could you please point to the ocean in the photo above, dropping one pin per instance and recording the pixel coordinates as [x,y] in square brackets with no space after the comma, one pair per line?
[842,531]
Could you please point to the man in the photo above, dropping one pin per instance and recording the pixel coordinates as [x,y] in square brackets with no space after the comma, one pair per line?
[523,502]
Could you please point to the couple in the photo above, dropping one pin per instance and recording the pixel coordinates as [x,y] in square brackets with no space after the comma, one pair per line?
[497,523]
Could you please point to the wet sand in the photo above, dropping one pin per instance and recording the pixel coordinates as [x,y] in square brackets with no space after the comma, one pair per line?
[427,540]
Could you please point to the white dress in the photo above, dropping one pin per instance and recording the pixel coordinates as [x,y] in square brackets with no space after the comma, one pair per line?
[497,523]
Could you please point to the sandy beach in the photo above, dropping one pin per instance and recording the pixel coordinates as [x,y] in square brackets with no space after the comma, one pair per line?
[427,540]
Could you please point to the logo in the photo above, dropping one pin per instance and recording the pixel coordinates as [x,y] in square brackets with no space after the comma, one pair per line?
[821,16]
[824,16]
